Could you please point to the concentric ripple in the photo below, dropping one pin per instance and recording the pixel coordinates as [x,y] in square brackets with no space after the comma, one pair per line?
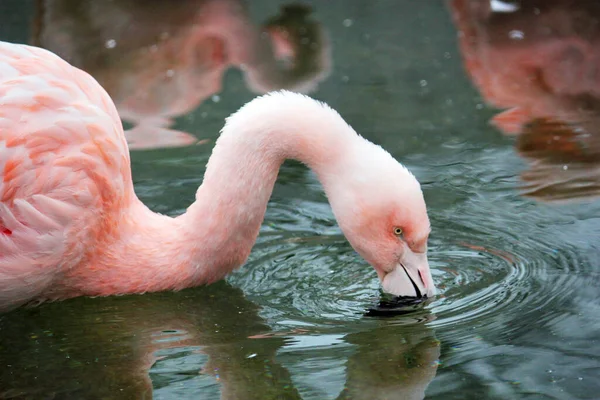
[307,279]
[491,271]
[485,272]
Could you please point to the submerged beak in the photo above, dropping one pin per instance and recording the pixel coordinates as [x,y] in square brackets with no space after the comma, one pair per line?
[411,277]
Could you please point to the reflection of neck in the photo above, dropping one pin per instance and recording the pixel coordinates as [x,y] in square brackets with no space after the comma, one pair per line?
[251,49]
[404,368]
[265,73]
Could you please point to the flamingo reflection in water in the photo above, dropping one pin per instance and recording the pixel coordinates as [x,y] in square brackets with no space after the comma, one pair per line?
[540,61]
[159,60]
[207,343]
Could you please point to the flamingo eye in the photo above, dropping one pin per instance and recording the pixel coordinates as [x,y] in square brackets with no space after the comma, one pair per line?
[398,231]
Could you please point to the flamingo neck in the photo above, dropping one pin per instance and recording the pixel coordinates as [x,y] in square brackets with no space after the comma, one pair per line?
[231,202]
[153,252]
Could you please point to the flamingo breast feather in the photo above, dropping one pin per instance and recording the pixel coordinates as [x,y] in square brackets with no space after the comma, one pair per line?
[64,170]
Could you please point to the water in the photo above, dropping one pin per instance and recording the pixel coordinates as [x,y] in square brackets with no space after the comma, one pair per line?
[518,313]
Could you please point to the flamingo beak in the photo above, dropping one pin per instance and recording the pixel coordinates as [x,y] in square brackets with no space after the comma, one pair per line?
[411,277]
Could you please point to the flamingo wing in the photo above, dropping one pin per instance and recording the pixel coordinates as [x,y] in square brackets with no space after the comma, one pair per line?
[64,169]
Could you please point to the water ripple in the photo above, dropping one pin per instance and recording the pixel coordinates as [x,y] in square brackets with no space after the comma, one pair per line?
[489,273]
[485,273]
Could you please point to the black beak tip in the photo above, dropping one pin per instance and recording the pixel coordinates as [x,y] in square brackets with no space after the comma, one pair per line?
[397,305]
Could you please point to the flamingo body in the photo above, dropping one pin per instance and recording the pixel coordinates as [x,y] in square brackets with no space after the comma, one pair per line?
[65,169]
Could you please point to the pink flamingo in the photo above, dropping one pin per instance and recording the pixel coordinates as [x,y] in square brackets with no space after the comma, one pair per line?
[71,225]
[541,66]
[175,55]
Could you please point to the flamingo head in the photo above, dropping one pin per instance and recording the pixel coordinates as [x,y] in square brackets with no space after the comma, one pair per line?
[381,210]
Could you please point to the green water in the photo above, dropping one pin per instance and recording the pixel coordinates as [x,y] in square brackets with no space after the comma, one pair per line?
[518,310]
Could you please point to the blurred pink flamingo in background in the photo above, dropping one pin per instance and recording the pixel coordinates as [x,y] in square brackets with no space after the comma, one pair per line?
[71,224]
[540,60]
[160,60]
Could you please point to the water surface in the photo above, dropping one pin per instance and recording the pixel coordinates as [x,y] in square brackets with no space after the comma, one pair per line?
[513,253]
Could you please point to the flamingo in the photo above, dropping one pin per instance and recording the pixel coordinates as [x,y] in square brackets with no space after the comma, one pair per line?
[71,224]
[175,55]
[546,81]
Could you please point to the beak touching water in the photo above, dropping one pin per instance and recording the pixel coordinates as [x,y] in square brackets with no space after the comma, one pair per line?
[411,277]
